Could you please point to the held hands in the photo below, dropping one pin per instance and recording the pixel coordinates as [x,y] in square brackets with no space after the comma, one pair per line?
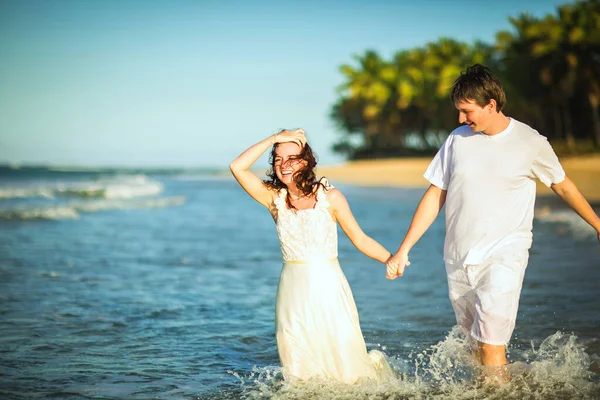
[395,265]
[297,136]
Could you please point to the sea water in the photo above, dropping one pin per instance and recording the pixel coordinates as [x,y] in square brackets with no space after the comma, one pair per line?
[138,285]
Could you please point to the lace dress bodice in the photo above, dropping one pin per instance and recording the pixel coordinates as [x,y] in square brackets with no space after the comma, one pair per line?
[306,234]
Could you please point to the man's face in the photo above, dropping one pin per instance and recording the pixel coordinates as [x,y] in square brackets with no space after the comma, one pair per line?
[477,117]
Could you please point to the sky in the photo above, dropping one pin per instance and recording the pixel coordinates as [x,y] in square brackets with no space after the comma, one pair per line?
[175,83]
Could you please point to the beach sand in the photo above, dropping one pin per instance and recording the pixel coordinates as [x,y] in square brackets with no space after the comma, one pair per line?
[408,172]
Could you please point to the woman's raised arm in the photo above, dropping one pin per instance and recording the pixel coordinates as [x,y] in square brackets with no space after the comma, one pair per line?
[240,167]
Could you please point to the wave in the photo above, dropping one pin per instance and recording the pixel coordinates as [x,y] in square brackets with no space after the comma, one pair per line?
[115,187]
[73,209]
[202,177]
[568,219]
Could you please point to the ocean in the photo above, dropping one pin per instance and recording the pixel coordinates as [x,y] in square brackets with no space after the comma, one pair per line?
[140,284]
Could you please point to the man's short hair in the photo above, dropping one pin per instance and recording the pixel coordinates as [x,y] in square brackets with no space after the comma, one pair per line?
[479,85]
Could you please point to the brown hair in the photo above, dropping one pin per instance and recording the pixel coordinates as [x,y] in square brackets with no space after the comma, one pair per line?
[305,178]
[479,85]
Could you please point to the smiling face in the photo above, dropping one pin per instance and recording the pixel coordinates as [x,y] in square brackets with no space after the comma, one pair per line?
[287,163]
[478,118]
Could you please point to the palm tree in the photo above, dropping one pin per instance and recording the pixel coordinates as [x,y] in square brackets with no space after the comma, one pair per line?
[584,32]
[364,92]
[386,101]
[519,71]
[425,77]
[565,52]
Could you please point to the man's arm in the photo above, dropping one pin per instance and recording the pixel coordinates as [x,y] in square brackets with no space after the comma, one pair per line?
[567,191]
[432,202]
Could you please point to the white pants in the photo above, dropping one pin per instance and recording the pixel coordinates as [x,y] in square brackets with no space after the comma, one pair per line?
[485,297]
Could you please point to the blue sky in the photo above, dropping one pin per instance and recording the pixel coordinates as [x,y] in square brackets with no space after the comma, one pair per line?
[194,83]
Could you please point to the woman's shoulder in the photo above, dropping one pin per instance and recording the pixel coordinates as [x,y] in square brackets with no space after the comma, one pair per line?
[323,183]
[331,194]
[334,194]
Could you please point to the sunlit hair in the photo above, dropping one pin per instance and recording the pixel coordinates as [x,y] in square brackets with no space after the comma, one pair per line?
[305,178]
[479,85]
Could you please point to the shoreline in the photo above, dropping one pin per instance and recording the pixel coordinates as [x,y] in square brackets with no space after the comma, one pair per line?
[584,171]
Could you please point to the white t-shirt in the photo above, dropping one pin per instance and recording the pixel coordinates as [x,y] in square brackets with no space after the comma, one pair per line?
[491,189]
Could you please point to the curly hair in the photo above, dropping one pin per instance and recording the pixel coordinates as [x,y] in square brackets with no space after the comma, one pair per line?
[479,85]
[305,178]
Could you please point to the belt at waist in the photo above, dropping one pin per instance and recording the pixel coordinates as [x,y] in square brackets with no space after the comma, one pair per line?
[310,261]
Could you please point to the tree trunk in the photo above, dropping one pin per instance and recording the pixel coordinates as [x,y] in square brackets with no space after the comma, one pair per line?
[594,103]
[568,127]
[558,125]
[423,133]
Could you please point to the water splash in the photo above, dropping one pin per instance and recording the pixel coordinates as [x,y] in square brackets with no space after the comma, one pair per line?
[558,369]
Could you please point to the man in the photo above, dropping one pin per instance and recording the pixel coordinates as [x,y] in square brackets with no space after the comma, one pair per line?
[485,174]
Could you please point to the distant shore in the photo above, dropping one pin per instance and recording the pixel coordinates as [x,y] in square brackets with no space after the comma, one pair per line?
[408,173]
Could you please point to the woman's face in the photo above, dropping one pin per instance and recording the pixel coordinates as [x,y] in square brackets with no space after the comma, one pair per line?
[286,163]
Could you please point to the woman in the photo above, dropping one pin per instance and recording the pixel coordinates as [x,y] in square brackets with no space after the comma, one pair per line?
[317,326]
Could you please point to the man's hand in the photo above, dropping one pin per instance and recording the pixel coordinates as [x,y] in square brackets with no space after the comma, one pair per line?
[396,264]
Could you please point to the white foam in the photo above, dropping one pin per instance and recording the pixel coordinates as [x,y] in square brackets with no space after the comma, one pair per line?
[109,187]
[567,218]
[120,204]
[57,213]
[22,193]
[557,369]
[73,209]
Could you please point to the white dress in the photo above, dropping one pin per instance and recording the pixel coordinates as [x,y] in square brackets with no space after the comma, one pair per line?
[316,320]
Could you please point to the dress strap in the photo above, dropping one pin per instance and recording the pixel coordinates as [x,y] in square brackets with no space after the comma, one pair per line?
[325,182]
[280,200]
[322,190]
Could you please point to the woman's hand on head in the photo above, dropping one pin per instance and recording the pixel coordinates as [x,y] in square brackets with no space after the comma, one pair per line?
[297,136]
